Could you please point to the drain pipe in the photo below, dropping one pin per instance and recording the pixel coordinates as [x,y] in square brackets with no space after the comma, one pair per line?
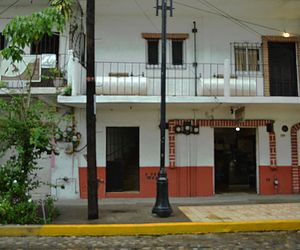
[195,64]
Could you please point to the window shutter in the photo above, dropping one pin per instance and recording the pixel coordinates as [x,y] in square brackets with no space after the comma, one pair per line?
[153,52]
[177,52]
[2,41]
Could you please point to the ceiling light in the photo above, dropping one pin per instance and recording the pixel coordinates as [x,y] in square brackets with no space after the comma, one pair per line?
[237,129]
[286,34]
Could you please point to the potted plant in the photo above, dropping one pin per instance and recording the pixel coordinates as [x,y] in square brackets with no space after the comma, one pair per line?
[57,75]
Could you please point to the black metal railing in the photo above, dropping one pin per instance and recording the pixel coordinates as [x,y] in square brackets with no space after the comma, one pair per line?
[133,78]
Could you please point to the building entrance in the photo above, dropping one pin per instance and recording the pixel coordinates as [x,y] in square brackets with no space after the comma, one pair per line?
[235,160]
[122,159]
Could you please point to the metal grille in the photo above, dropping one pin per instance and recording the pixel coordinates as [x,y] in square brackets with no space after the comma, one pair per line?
[246,57]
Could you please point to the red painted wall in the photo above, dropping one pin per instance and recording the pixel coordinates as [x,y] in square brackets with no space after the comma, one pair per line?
[267,176]
[183,182]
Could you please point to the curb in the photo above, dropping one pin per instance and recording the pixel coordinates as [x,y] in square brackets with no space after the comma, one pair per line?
[149,229]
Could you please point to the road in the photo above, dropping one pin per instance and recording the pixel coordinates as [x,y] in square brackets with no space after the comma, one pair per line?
[266,240]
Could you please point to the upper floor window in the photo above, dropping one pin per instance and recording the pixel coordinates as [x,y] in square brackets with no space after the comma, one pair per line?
[48,45]
[177,52]
[2,41]
[175,48]
[247,57]
[153,51]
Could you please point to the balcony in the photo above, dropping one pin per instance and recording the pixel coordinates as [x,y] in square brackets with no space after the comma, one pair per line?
[14,77]
[140,79]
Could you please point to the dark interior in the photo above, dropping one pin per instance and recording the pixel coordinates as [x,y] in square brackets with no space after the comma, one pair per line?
[122,159]
[235,160]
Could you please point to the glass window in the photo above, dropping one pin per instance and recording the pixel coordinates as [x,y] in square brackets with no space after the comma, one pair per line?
[247,57]
[153,52]
[48,45]
[177,52]
[2,41]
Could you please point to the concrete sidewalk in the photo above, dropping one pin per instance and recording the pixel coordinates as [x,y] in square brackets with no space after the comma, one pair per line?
[137,211]
[221,213]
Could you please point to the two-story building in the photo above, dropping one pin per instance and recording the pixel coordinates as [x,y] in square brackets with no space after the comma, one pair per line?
[232,97]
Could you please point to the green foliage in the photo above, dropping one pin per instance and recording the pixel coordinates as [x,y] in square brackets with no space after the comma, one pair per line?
[22,31]
[67,91]
[16,205]
[63,6]
[26,131]
[26,126]
[51,211]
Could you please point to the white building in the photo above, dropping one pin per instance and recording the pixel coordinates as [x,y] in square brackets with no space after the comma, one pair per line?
[237,72]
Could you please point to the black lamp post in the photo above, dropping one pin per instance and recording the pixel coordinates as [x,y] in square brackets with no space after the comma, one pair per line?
[162,206]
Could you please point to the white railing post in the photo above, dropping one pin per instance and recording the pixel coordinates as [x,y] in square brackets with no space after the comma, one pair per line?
[74,73]
[226,78]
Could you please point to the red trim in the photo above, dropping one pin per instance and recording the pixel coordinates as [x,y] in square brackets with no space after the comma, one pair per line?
[183,182]
[220,123]
[295,161]
[267,176]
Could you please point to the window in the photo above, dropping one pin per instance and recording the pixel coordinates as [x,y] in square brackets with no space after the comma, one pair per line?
[2,41]
[48,45]
[153,52]
[175,48]
[247,57]
[177,52]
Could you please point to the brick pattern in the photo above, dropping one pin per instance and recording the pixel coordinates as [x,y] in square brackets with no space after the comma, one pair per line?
[265,51]
[272,148]
[295,162]
[219,123]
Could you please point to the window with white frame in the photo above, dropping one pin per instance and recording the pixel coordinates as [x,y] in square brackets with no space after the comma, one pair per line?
[246,57]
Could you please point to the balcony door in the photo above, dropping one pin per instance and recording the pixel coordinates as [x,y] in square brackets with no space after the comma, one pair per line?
[282,69]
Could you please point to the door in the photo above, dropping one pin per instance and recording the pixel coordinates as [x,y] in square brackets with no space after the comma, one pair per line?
[235,160]
[282,69]
[122,159]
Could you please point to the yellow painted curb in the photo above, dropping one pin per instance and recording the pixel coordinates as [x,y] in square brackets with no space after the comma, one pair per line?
[149,229]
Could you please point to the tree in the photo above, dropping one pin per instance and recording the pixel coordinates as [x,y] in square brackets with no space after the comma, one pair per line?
[27,127]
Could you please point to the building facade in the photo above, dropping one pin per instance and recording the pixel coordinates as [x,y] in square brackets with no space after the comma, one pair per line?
[232,99]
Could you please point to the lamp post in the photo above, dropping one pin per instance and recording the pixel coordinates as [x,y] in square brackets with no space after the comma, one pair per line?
[162,206]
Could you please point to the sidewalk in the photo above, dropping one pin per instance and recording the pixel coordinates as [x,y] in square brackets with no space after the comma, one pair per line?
[137,211]
[221,213]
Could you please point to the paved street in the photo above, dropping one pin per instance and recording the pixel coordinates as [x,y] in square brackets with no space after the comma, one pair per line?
[267,240]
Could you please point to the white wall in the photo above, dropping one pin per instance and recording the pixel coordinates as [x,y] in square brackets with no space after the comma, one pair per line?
[195,150]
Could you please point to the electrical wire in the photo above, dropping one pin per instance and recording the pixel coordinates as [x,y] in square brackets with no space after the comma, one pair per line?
[222,15]
[146,15]
[169,43]
[10,6]
[229,17]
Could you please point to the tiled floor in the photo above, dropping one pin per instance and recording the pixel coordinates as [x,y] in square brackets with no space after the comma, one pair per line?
[283,211]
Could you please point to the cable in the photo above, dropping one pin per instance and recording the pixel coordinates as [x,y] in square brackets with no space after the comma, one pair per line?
[228,16]
[10,6]
[146,15]
[155,27]
[221,15]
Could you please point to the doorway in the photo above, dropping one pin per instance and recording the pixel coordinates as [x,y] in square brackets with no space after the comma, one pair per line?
[122,159]
[282,69]
[235,160]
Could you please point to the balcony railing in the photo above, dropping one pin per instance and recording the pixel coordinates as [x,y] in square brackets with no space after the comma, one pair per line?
[211,79]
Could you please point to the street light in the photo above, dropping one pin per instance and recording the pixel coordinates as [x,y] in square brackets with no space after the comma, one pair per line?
[162,206]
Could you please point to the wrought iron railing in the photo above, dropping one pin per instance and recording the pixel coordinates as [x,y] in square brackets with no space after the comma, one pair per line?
[212,79]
